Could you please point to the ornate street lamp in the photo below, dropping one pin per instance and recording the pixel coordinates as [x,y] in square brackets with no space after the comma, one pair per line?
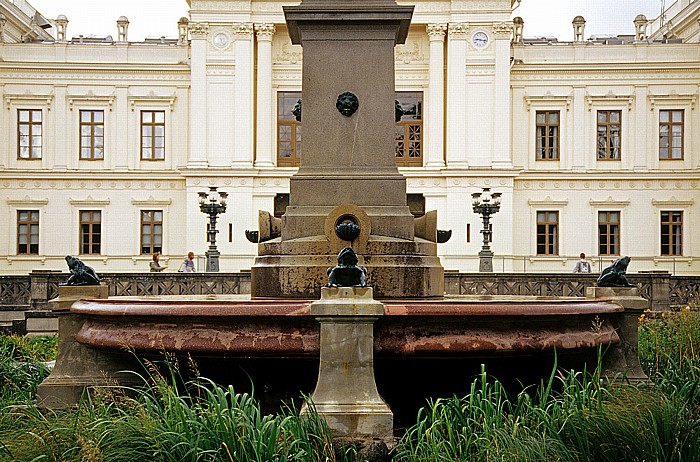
[212,203]
[486,203]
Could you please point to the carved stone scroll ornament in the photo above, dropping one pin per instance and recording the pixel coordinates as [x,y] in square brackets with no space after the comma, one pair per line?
[347,103]
[458,30]
[502,30]
[436,31]
[198,30]
[264,31]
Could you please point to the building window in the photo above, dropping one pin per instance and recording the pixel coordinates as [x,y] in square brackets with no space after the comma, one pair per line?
[609,134]
[27,232]
[547,233]
[608,233]
[671,233]
[671,135]
[29,133]
[152,135]
[547,135]
[92,135]
[288,130]
[409,130]
[90,232]
[151,231]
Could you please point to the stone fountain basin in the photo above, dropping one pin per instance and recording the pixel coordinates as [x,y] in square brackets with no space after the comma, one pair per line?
[236,326]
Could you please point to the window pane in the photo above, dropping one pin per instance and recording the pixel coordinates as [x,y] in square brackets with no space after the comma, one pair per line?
[160,117]
[85,116]
[677,116]
[663,116]
[540,117]
[159,130]
[24,130]
[614,117]
[99,116]
[554,117]
[23,116]
[147,117]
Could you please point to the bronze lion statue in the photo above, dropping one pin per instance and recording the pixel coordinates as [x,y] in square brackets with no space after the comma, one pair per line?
[347,273]
[80,273]
[614,275]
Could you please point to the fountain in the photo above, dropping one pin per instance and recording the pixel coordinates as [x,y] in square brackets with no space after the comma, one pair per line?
[347,193]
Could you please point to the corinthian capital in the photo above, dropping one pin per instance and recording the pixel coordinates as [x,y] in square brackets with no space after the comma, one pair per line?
[264,31]
[243,29]
[502,30]
[436,31]
[198,30]
[458,30]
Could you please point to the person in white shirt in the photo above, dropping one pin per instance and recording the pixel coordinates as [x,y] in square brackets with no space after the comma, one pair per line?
[582,266]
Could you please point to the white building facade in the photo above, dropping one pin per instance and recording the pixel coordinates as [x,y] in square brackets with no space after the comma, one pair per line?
[594,144]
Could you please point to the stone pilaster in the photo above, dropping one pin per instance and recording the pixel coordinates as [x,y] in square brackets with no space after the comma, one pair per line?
[346,393]
[198,95]
[456,95]
[435,133]
[243,96]
[264,146]
[502,32]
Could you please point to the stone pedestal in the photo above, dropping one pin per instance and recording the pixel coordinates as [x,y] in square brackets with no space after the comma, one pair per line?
[78,366]
[346,394]
[624,357]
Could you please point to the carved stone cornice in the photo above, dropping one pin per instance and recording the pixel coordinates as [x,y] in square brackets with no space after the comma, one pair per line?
[264,31]
[436,31]
[458,30]
[502,30]
[198,30]
[243,30]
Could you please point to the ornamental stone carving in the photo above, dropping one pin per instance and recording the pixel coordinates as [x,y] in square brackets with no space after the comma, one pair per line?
[458,30]
[502,30]
[436,31]
[198,30]
[243,30]
[264,31]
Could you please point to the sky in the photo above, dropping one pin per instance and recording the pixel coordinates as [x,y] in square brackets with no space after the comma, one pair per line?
[155,18]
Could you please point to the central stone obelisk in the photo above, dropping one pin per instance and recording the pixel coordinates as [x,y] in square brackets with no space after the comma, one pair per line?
[348,169]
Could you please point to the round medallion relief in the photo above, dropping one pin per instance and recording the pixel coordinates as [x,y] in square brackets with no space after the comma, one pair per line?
[220,40]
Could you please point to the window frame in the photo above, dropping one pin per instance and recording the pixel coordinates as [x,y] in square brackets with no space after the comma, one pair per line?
[609,224]
[286,119]
[403,131]
[675,249]
[91,233]
[91,125]
[30,123]
[153,124]
[608,124]
[546,147]
[152,223]
[548,224]
[30,222]
[670,124]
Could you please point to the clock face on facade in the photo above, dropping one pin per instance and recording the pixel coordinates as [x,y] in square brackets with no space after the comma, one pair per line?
[480,39]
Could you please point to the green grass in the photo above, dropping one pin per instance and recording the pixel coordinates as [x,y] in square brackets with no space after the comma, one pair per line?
[21,367]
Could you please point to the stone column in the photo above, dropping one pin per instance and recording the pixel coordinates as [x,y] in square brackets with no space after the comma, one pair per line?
[198,95]
[578,133]
[346,394]
[435,133]
[644,137]
[61,136]
[243,96]
[622,360]
[264,104]
[79,367]
[121,131]
[456,96]
[501,98]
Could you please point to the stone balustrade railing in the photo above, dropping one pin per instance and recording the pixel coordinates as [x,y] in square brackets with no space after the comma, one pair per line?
[32,292]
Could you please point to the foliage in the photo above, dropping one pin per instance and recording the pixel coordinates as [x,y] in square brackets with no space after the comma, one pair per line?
[29,349]
[166,420]
[20,368]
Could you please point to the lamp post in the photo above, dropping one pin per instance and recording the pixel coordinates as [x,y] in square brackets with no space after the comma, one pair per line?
[486,203]
[212,203]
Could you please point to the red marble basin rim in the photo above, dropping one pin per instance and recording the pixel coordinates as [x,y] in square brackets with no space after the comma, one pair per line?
[223,306]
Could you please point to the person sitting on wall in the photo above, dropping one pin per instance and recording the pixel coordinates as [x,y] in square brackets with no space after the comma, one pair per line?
[583,265]
[155,264]
[188,264]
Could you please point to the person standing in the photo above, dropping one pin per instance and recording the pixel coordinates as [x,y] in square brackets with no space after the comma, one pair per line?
[583,265]
[188,264]
[155,264]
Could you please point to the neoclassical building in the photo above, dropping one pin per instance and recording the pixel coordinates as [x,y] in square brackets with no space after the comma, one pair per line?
[594,144]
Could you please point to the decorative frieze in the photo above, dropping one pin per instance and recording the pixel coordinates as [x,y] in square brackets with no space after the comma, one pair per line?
[408,53]
[673,98]
[28,98]
[107,100]
[199,30]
